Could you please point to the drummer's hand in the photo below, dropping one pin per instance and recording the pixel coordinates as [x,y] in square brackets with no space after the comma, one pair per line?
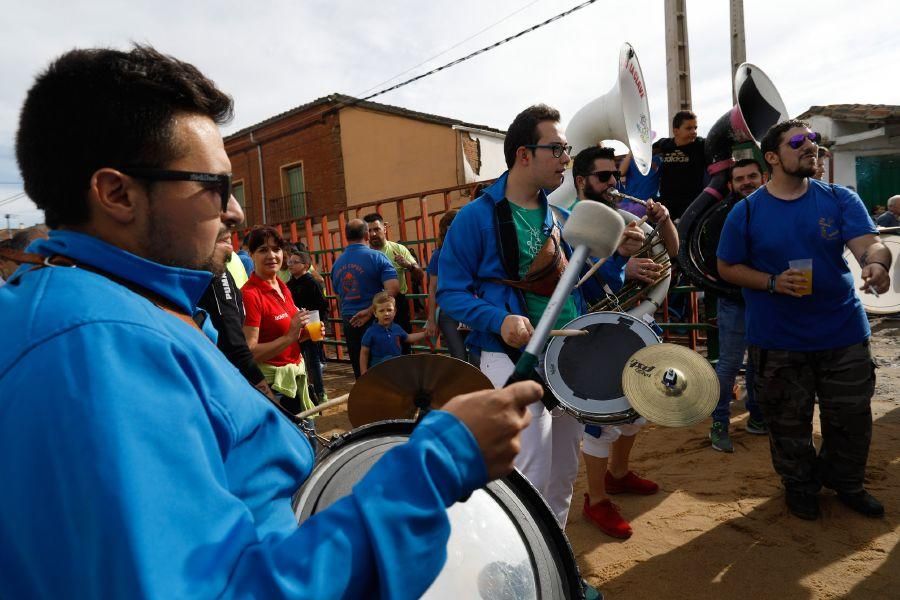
[642,269]
[632,239]
[657,212]
[876,278]
[495,418]
[516,330]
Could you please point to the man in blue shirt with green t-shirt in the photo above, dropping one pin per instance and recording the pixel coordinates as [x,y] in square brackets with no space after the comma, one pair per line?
[499,264]
[807,344]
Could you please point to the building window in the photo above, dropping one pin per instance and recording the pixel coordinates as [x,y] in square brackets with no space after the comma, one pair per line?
[237,190]
[292,205]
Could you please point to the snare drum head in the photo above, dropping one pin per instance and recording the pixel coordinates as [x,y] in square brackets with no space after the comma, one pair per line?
[504,541]
[585,372]
[888,302]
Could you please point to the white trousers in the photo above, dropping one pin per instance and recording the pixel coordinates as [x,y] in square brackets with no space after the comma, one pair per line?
[550,444]
[598,445]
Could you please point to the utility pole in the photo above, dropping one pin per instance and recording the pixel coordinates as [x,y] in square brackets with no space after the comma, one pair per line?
[8,230]
[678,67]
[738,41]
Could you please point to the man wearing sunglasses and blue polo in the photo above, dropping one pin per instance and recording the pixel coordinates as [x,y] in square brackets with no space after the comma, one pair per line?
[807,344]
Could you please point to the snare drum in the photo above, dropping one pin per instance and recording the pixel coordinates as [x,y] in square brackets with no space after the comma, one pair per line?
[585,372]
[504,541]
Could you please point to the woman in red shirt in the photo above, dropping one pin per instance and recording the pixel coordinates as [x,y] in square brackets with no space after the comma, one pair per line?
[273,325]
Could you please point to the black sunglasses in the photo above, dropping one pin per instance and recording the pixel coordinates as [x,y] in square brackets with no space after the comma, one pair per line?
[557,149]
[605,175]
[219,182]
[795,141]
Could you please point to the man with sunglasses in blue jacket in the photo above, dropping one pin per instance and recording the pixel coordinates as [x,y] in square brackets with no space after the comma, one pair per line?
[139,463]
[808,344]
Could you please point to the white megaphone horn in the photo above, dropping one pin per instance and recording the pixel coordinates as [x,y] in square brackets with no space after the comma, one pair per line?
[622,114]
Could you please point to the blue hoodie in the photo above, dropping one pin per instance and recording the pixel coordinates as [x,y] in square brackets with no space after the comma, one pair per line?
[138,462]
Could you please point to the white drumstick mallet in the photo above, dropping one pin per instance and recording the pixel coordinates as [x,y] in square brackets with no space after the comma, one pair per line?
[594,230]
[600,262]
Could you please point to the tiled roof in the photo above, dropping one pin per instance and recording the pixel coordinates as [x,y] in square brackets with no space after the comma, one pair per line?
[338,101]
[856,113]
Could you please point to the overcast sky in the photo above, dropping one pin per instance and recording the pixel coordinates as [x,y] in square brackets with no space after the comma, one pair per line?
[274,55]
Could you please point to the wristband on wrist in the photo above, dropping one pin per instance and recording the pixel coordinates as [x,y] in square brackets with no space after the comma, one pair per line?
[877,262]
[771,286]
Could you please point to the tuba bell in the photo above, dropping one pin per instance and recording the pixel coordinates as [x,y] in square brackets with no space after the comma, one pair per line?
[622,114]
[759,107]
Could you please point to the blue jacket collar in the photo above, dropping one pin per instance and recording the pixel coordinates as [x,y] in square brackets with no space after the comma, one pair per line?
[181,286]
[497,192]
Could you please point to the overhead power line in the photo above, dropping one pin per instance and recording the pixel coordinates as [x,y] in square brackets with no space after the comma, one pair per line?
[481,51]
[346,103]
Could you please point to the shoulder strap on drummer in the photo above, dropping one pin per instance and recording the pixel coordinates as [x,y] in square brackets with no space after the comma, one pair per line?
[40,261]
[507,239]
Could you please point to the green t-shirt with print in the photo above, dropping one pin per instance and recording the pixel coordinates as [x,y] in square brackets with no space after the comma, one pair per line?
[529,223]
[392,250]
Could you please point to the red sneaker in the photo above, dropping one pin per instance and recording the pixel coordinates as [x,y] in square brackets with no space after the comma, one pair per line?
[605,515]
[630,483]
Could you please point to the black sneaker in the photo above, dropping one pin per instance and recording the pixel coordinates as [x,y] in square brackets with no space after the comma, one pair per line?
[864,503]
[803,504]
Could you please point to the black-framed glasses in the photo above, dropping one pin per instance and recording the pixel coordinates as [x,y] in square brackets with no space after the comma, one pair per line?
[795,141]
[219,182]
[605,175]
[557,149]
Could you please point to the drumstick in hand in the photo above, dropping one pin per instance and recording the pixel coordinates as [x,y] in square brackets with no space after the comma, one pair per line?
[568,332]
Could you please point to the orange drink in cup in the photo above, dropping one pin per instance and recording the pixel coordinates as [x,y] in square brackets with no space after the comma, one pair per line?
[315,327]
[804,265]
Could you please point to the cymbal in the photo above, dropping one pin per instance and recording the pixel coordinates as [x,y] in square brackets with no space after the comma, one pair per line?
[670,385]
[400,387]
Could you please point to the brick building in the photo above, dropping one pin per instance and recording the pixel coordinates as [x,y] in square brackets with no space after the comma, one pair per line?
[337,152]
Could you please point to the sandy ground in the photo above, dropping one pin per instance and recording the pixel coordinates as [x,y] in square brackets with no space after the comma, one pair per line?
[719,527]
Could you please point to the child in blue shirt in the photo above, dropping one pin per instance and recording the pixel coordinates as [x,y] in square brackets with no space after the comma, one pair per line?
[382,339]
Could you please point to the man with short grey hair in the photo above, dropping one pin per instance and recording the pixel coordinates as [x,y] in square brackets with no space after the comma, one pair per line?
[891,217]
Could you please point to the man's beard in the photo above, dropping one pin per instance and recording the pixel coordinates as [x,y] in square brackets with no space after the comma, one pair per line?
[801,170]
[162,243]
[591,194]
[745,191]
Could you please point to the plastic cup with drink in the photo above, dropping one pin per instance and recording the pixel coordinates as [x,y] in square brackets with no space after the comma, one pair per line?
[805,266]
[315,327]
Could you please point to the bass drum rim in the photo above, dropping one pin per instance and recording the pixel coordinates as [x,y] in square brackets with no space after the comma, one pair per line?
[552,559]
[892,241]
[558,386]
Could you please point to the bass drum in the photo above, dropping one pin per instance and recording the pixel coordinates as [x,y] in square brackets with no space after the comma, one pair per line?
[504,541]
[585,372]
[888,302]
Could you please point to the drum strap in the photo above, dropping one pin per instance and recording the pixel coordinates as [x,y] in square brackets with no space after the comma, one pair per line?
[547,266]
[40,261]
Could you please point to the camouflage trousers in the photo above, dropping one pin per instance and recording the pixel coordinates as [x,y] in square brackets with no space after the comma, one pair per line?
[787,385]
